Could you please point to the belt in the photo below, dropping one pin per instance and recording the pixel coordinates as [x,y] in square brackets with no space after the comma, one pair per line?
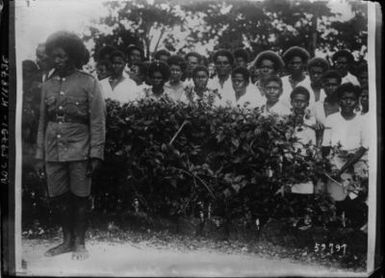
[66,119]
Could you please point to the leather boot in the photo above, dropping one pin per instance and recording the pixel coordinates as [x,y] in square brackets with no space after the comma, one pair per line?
[63,208]
[81,210]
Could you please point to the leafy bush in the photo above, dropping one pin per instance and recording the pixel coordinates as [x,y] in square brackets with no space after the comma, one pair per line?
[181,160]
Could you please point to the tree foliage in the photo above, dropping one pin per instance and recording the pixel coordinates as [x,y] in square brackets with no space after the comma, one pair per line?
[257,25]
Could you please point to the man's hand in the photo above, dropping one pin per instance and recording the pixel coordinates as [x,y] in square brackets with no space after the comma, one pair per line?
[94,164]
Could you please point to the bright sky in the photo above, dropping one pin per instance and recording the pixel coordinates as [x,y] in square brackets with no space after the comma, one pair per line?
[37,19]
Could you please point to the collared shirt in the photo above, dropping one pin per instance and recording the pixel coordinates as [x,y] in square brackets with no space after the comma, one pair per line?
[174,92]
[72,119]
[350,78]
[126,90]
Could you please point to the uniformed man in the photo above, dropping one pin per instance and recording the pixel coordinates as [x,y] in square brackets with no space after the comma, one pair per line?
[70,141]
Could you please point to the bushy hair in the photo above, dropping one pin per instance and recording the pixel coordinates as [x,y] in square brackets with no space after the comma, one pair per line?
[198,69]
[178,61]
[296,51]
[299,90]
[270,78]
[161,67]
[224,52]
[348,87]
[105,50]
[71,44]
[318,62]
[160,53]
[343,53]
[269,55]
[332,74]
[194,54]
[241,52]
[239,70]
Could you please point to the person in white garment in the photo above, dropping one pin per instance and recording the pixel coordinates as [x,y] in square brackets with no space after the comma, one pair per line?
[224,61]
[199,92]
[272,86]
[243,95]
[175,87]
[304,134]
[316,68]
[331,80]
[343,61]
[265,64]
[295,59]
[193,59]
[119,86]
[159,74]
[347,131]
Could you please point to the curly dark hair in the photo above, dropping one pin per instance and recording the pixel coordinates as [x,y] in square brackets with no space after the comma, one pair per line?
[224,52]
[71,44]
[239,70]
[318,62]
[299,90]
[332,74]
[194,54]
[343,53]
[348,87]
[271,56]
[161,67]
[241,52]
[200,68]
[178,61]
[296,51]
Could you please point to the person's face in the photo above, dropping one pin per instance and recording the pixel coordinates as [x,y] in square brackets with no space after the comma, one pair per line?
[134,56]
[200,79]
[266,68]
[61,60]
[176,73]
[365,99]
[348,102]
[315,74]
[192,63]
[136,75]
[223,66]
[295,65]
[118,65]
[240,62]
[239,82]
[299,102]
[330,85]
[272,91]
[157,79]
[42,59]
[102,72]
[342,65]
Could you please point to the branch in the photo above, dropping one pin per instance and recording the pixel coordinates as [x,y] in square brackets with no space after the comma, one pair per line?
[177,133]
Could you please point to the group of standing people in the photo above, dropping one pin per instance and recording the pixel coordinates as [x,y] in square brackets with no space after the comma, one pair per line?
[328,101]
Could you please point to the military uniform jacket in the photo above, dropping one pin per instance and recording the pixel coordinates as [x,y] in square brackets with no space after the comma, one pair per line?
[72,119]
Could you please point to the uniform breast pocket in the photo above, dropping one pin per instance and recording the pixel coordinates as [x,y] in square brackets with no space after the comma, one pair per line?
[50,103]
[76,106]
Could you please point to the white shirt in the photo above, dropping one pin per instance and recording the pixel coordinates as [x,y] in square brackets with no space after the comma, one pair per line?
[351,134]
[278,108]
[224,90]
[251,99]
[126,90]
[175,92]
[318,111]
[350,78]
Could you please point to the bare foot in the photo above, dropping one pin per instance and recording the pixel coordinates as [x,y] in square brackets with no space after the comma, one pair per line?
[80,253]
[60,249]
